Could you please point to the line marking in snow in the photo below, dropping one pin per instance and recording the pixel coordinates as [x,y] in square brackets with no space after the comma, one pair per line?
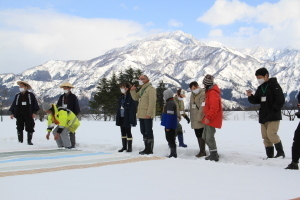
[84,166]
[52,157]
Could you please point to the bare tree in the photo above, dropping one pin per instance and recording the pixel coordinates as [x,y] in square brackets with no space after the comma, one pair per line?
[4,94]
[289,110]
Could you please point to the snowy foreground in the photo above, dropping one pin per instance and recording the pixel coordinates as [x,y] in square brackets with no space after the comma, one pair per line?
[241,172]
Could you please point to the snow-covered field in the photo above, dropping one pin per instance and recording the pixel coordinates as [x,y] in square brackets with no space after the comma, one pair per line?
[241,172]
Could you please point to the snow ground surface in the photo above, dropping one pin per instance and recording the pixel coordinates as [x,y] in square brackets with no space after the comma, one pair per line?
[241,173]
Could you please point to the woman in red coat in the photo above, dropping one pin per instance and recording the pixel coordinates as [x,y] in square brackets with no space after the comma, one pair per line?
[213,115]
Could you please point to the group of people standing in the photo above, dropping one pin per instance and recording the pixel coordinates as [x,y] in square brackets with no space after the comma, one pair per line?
[61,116]
[206,114]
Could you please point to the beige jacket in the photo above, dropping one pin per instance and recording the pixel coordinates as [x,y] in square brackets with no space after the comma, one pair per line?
[197,113]
[147,101]
[180,107]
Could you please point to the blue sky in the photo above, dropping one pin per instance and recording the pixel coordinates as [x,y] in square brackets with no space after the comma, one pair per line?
[33,32]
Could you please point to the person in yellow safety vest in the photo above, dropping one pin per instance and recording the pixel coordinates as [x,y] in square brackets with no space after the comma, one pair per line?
[65,121]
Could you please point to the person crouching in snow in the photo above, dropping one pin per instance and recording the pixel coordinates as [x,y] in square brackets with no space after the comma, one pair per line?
[66,122]
[170,120]
[213,115]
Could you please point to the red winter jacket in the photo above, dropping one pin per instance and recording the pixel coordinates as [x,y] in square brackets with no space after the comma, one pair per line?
[213,107]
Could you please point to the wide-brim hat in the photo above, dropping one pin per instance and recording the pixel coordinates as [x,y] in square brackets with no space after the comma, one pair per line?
[24,83]
[66,84]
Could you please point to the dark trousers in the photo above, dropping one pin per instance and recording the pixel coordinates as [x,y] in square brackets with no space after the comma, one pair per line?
[170,136]
[198,132]
[27,122]
[146,128]
[126,132]
[296,145]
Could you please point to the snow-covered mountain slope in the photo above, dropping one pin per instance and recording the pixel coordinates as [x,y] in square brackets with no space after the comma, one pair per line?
[176,58]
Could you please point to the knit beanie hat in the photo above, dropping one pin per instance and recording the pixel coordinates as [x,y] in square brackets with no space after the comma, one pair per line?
[261,72]
[208,80]
[168,93]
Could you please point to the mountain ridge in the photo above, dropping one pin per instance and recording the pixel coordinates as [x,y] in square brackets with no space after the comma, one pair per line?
[161,56]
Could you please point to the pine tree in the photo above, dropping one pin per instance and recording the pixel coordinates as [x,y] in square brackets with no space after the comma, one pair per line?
[108,93]
[160,98]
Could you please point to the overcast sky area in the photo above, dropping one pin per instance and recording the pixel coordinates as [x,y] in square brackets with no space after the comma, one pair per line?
[33,32]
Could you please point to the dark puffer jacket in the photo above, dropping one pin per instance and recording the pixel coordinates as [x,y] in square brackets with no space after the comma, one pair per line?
[270,109]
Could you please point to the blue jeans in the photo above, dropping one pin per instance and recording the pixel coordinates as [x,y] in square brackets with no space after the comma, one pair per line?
[146,128]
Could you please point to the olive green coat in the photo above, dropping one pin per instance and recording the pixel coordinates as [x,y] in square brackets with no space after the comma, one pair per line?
[197,113]
[147,101]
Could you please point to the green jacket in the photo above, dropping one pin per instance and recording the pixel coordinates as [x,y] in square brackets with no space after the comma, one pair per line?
[147,101]
[197,113]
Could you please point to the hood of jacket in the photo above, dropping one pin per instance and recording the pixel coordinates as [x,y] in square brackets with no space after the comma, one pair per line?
[215,88]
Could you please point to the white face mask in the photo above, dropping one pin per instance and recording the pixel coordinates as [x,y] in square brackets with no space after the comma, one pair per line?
[123,90]
[196,91]
[66,91]
[141,82]
[261,81]
[179,98]
[21,89]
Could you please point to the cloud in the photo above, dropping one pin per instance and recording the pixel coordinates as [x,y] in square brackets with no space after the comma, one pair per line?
[30,37]
[225,12]
[216,33]
[174,23]
[270,25]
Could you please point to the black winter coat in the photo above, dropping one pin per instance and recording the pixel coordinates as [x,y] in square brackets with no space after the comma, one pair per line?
[270,110]
[72,102]
[130,107]
[31,108]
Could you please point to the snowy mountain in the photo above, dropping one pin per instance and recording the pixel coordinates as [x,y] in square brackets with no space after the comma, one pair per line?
[176,58]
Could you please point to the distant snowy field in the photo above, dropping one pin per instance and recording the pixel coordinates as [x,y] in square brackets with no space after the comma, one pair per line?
[241,172]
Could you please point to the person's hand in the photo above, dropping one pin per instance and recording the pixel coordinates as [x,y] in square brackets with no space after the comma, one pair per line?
[133,88]
[206,121]
[167,129]
[248,93]
[33,115]
[48,136]
[56,137]
[12,116]
[187,119]
[148,117]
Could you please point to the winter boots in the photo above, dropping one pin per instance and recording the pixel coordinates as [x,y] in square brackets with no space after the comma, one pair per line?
[145,143]
[202,152]
[129,144]
[149,144]
[29,138]
[214,156]
[124,143]
[20,136]
[270,152]
[173,152]
[279,150]
[293,165]
[180,140]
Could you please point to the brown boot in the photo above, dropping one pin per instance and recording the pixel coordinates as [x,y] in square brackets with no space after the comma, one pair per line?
[202,152]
